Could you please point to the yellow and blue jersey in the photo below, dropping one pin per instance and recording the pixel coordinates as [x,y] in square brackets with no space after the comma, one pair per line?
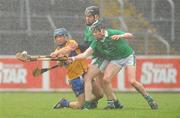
[76,68]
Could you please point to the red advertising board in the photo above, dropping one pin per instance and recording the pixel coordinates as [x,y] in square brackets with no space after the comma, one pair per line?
[17,75]
[58,78]
[157,73]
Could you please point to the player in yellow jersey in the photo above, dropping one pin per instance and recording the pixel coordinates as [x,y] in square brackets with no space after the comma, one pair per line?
[69,47]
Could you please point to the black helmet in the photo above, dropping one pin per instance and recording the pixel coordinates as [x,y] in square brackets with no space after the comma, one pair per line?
[92,10]
[98,25]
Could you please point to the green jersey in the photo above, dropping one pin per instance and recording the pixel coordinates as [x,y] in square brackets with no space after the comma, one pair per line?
[88,36]
[112,49]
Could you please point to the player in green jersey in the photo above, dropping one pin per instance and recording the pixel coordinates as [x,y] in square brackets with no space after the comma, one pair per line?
[113,46]
[91,15]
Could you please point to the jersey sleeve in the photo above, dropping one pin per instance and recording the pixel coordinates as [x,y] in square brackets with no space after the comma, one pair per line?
[93,44]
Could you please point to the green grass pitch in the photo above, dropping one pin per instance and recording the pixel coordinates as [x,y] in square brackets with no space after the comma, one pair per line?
[39,105]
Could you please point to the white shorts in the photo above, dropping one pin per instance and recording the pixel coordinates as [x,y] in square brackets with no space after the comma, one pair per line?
[101,65]
[130,60]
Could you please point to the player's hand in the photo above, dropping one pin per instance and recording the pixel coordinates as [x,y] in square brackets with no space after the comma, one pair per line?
[54,55]
[69,60]
[116,37]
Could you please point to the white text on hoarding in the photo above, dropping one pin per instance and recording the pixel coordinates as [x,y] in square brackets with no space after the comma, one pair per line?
[14,73]
[158,73]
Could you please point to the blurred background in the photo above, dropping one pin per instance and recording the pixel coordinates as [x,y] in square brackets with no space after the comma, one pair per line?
[29,24]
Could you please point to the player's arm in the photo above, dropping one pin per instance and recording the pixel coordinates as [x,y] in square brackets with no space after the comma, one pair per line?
[88,52]
[71,46]
[122,36]
[62,51]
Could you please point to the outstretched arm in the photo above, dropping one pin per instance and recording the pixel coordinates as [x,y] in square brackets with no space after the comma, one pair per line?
[62,51]
[83,55]
[124,36]
[71,46]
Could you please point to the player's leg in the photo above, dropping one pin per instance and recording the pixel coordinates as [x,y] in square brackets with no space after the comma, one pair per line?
[78,89]
[77,104]
[70,104]
[88,78]
[130,64]
[131,69]
[97,90]
[112,101]
[77,86]
[97,87]
[98,84]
